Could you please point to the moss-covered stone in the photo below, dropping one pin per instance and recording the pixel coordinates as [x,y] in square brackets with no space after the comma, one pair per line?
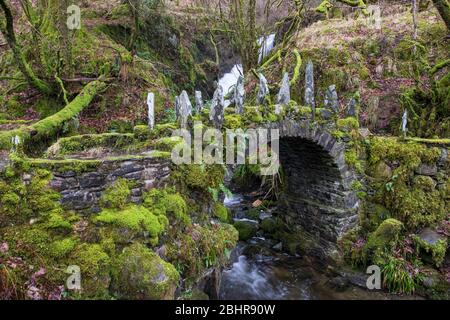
[221,213]
[201,247]
[95,267]
[139,273]
[233,121]
[247,230]
[75,144]
[167,203]
[136,219]
[201,177]
[384,237]
[116,195]
[429,242]
[269,225]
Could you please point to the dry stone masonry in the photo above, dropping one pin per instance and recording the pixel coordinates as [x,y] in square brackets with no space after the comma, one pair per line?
[81,191]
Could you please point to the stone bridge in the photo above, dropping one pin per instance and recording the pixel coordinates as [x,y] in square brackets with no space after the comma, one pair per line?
[318,193]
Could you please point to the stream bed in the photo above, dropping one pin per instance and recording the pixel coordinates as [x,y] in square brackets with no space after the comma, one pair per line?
[261,271]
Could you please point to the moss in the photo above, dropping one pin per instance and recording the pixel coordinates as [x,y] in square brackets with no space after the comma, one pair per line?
[247,230]
[200,177]
[430,141]
[352,159]
[142,132]
[95,267]
[167,143]
[51,125]
[164,129]
[167,202]
[116,195]
[385,236]
[120,126]
[20,200]
[201,247]
[33,241]
[74,144]
[233,121]
[298,64]
[66,165]
[425,183]
[252,115]
[415,206]
[269,225]
[56,220]
[409,154]
[221,213]
[437,250]
[62,248]
[134,218]
[347,124]
[139,273]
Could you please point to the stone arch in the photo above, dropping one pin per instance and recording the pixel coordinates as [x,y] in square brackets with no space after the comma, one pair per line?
[318,191]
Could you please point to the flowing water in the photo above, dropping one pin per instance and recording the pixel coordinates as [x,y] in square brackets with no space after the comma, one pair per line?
[261,271]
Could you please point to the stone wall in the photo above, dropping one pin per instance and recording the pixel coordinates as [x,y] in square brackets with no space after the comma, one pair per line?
[81,191]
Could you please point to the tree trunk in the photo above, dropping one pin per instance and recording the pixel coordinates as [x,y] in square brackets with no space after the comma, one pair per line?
[49,126]
[22,64]
[443,7]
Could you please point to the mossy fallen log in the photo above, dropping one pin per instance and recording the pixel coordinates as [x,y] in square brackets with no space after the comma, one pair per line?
[51,125]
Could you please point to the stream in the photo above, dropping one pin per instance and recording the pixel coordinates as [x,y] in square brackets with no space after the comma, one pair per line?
[261,271]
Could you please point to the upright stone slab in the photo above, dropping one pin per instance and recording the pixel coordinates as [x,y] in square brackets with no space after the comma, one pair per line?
[216,114]
[405,123]
[239,95]
[263,89]
[151,109]
[177,107]
[331,99]
[309,87]
[284,96]
[185,109]
[198,102]
[352,106]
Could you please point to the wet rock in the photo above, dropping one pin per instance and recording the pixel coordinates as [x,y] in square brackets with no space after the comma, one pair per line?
[278,246]
[265,215]
[209,284]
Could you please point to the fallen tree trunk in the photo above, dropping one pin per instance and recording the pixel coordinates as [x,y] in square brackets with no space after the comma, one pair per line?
[51,125]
